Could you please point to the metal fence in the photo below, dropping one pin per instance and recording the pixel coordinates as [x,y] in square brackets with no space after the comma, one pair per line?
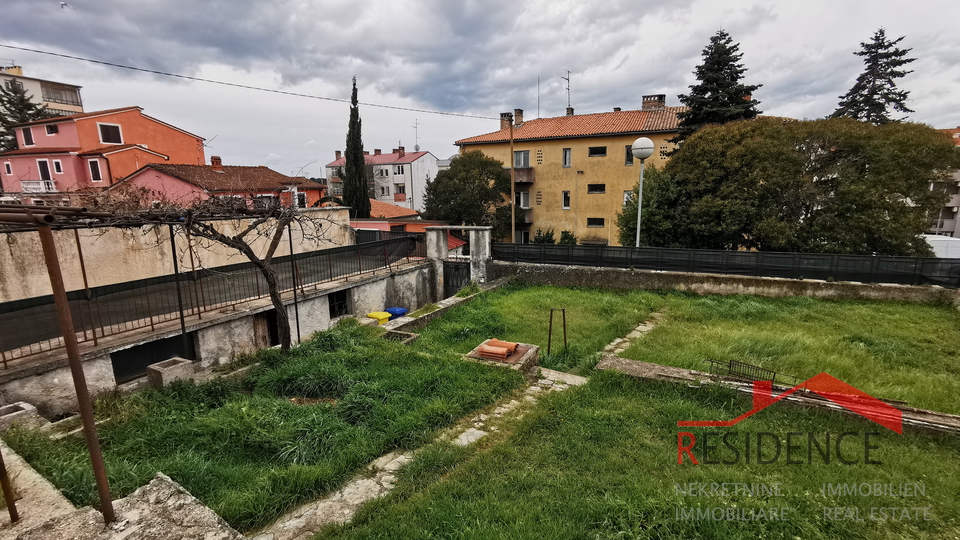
[861,268]
[371,235]
[30,326]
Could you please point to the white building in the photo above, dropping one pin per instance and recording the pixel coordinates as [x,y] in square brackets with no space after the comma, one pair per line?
[61,99]
[399,177]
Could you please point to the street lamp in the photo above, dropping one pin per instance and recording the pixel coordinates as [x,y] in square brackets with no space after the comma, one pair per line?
[641,149]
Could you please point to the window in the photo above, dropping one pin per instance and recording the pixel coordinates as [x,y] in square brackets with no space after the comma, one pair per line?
[57,166]
[398,169]
[594,222]
[8,168]
[339,303]
[596,188]
[522,199]
[400,188]
[384,172]
[13,84]
[566,200]
[94,165]
[27,137]
[521,159]
[628,157]
[43,167]
[264,201]
[53,129]
[567,158]
[384,191]
[110,134]
[523,237]
[627,197]
[597,151]
[301,200]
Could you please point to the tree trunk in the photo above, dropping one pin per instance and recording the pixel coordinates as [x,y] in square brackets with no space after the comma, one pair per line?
[283,321]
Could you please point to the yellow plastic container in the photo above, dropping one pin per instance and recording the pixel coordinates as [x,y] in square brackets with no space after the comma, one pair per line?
[380,316]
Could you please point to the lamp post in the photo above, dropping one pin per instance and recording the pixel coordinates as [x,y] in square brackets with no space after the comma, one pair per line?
[641,149]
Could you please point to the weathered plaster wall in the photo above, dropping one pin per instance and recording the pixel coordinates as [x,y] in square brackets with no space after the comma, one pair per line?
[616,278]
[115,255]
[314,316]
[218,344]
[52,393]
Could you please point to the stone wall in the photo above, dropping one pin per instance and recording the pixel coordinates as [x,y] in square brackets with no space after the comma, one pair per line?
[618,278]
[52,392]
[119,255]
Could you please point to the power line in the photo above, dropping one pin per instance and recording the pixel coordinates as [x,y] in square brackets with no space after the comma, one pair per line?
[236,85]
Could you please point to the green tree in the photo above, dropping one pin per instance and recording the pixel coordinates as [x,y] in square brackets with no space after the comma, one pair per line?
[825,186]
[660,198]
[568,238]
[720,96]
[875,92]
[473,191]
[544,237]
[16,108]
[355,193]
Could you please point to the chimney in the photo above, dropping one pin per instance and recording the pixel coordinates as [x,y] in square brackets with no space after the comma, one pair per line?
[216,164]
[505,120]
[654,102]
[518,116]
[569,111]
[401,151]
[366,153]
[12,70]
[337,153]
[616,109]
[748,97]
[376,151]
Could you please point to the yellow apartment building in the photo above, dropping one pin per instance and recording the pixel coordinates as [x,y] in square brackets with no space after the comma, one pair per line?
[574,172]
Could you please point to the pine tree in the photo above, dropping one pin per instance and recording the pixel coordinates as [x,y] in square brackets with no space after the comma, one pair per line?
[720,96]
[875,91]
[16,108]
[355,173]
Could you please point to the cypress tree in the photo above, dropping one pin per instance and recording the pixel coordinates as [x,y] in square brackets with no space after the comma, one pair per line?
[720,96]
[355,179]
[876,89]
[16,108]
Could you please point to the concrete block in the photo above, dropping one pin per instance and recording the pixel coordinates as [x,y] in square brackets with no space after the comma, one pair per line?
[163,373]
[20,413]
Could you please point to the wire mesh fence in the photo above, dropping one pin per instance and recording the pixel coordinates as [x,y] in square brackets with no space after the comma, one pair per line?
[31,326]
[823,266]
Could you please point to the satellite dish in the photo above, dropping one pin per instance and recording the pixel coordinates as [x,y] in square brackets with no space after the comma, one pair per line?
[416,148]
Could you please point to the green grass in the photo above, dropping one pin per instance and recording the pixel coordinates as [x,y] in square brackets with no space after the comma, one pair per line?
[518,313]
[600,461]
[908,352]
[247,451]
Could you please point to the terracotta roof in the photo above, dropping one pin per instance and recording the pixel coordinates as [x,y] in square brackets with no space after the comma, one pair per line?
[233,178]
[955,133]
[80,115]
[386,210]
[382,159]
[586,125]
[120,148]
[35,150]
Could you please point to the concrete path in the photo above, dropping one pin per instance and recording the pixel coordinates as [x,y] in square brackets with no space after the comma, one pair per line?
[619,345]
[379,477]
[38,501]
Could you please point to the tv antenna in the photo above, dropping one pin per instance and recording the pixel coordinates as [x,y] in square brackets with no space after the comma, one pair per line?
[207,144]
[567,78]
[416,135]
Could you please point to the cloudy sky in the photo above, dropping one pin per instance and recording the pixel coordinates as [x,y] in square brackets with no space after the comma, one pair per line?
[469,57]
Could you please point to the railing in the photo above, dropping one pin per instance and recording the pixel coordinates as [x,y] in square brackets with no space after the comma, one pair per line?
[861,268]
[30,326]
[523,174]
[399,197]
[38,186]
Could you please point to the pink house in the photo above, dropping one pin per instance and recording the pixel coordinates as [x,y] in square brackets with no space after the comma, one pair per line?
[91,151]
[188,184]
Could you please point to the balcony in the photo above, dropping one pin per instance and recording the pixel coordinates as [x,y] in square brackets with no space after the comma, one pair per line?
[399,197]
[524,215]
[954,200]
[66,96]
[38,186]
[523,175]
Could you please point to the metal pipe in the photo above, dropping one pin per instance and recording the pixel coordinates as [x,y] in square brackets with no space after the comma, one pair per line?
[293,276]
[42,219]
[8,492]
[76,369]
[176,278]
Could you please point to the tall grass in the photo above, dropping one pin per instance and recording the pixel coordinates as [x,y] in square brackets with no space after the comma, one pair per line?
[899,351]
[600,461]
[247,451]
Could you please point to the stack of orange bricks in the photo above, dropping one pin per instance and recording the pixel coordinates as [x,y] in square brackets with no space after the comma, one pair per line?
[497,350]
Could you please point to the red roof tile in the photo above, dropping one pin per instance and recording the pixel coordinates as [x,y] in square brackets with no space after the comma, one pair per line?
[233,178]
[382,159]
[80,115]
[955,133]
[30,150]
[586,125]
[386,210]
